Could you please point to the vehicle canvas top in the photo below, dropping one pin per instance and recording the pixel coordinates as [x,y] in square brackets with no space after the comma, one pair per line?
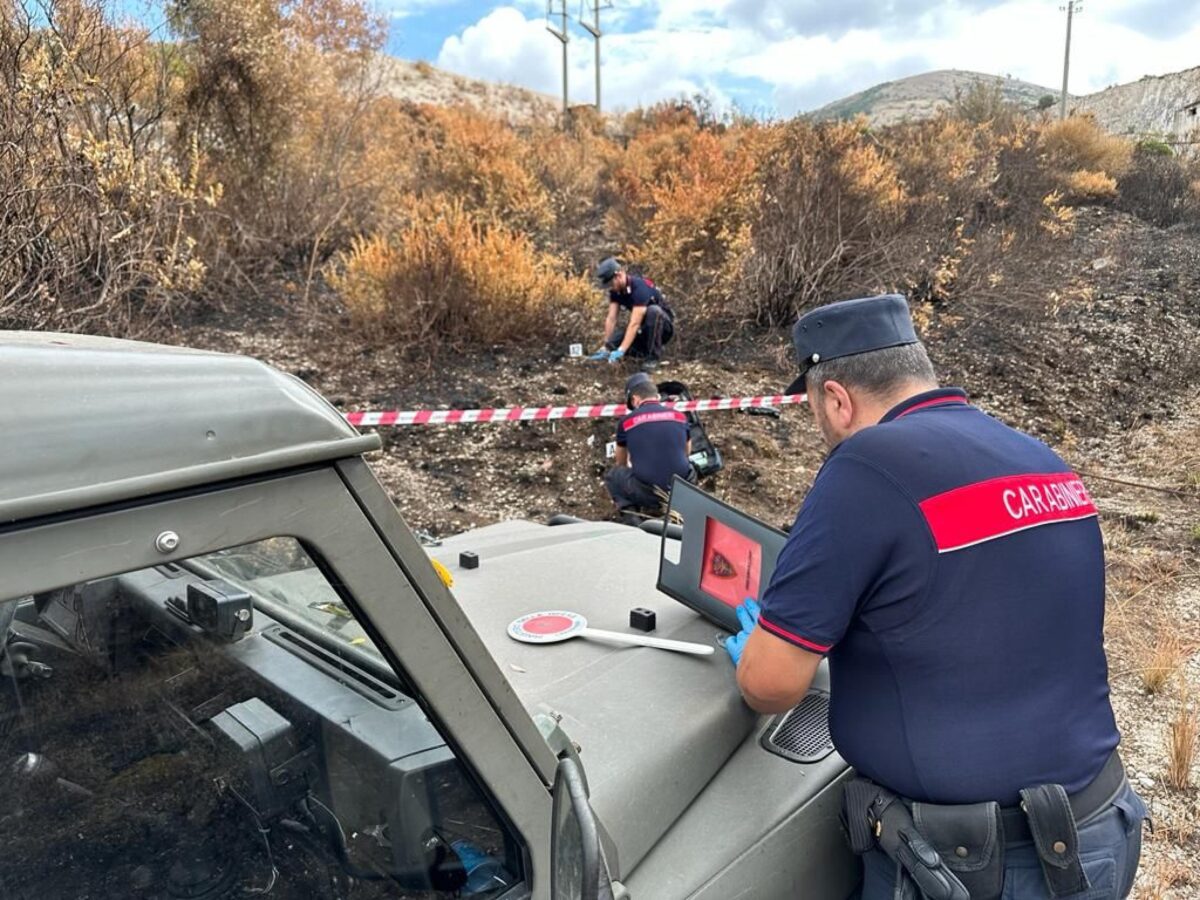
[103,420]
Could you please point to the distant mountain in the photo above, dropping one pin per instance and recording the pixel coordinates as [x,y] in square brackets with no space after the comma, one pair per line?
[922,96]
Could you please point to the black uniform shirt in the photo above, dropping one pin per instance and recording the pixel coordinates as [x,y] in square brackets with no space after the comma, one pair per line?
[656,437]
[952,569]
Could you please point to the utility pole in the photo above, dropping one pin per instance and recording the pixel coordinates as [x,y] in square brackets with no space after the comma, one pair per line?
[564,36]
[1072,7]
[593,28]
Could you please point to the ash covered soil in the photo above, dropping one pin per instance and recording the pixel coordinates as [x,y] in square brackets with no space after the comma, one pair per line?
[1104,366]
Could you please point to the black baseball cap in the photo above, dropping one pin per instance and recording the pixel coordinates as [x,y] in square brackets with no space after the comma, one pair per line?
[637,378]
[848,328]
[607,270]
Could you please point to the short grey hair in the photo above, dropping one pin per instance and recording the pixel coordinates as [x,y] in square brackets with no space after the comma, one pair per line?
[877,372]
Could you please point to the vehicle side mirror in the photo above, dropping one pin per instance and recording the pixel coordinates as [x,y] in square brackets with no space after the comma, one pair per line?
[577,872]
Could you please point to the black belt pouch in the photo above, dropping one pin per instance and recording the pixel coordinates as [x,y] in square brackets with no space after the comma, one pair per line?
[970,840]
[1056,836]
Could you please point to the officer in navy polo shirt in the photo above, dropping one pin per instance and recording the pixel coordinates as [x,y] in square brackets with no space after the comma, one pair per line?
[952,571]
[653,445]
[651,319]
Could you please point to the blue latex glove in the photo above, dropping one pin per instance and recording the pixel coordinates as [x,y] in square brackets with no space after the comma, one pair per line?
[616,356]
[599,355]
[747,615]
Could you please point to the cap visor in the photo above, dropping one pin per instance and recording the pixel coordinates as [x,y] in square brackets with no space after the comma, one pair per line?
[796,387]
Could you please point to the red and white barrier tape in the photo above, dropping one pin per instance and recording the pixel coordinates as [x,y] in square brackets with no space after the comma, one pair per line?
[549,413]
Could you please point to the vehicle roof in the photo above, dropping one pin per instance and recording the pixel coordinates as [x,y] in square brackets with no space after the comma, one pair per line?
[94,420]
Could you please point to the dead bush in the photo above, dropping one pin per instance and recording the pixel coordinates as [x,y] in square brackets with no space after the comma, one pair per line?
[1086,186]
[569,167]
[275,95]
[483,162]
[1079,144]
[99,221]
[984,103]
[1160,189]
[697,238]
[830,205]
[446,280]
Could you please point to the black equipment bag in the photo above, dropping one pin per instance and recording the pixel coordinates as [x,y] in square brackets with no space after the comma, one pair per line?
[705,457]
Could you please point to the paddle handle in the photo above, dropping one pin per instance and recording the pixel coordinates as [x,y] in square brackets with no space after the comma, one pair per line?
[618,637]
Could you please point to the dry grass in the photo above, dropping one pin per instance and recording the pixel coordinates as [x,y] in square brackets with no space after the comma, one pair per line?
[1164,656]
[1181,752]
[1163,877]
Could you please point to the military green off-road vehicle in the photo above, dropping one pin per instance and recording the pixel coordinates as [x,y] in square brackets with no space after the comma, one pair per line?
[229,669]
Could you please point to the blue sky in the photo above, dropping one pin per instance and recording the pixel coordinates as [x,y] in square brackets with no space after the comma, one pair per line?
[784,56]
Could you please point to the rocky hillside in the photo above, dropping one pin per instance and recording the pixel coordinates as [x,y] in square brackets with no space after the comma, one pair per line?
[922,96]
[420,82]
[1156,104]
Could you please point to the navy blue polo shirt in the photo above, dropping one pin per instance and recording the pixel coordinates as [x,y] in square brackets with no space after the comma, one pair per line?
[656,437]
[639,292]
[953,571]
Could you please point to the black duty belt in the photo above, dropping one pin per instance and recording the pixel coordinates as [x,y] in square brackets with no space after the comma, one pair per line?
[1085,803]
[956,852]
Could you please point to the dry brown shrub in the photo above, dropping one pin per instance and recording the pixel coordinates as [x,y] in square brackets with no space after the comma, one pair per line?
[481,161]
[570,167]
[1078,143]
[1086,186]
[446,280]
[697,238]
[650,157]
[99,220]
[830,205]
[275,95]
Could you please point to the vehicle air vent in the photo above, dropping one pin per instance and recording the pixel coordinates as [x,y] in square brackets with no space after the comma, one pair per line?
[337,667]
[802,733]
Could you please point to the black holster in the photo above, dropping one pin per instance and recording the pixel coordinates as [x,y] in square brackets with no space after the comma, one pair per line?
[877,818]
[956,852]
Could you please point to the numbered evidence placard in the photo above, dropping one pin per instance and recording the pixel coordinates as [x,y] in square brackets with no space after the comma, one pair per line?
[724,557]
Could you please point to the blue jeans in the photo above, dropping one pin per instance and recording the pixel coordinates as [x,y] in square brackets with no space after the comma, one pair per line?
[1110,845]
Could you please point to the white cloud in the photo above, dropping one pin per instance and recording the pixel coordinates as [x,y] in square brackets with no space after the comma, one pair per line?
[656,49]
[637,67]
[505,46]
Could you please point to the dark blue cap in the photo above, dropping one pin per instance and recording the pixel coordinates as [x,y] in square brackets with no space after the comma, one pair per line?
[607,270]
[849,328]
[634,380]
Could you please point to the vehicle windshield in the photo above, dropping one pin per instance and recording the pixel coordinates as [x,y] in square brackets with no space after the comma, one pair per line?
[280,576]
[223,727]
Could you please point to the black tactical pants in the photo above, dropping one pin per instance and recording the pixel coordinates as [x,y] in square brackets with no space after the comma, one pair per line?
[628,491]
[656,330]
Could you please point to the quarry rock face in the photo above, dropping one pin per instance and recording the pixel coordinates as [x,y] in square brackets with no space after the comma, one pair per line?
[1166,105]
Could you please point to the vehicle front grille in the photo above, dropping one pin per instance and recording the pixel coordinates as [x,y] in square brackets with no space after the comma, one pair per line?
[802,733]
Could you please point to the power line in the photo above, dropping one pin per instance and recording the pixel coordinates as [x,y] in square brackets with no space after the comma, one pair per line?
[563,35]
[593,28]
[1072,7]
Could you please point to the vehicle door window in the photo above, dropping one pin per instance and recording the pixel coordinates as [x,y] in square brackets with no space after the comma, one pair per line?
[225,727]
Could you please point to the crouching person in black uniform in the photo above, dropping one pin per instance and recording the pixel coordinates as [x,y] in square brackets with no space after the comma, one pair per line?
[651,319]
[652,448]
[952,571]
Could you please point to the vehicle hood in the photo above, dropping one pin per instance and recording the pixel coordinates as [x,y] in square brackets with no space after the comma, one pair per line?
[653,726]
